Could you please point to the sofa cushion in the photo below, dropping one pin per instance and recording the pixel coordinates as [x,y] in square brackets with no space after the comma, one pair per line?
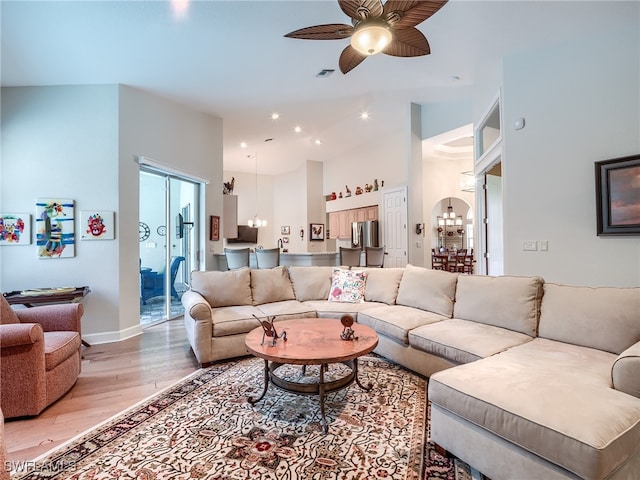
[311,283]
[507,302]
[286,310]
[382,284]
[575,315]
[462,341]
[235,319]
[271,285]
[236,291]
[625,373]
[347,285]
[426,289]
[58,346]
[327,309]
[396,321]
[550,398]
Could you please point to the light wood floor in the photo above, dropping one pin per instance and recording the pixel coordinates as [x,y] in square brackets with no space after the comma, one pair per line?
[114,376]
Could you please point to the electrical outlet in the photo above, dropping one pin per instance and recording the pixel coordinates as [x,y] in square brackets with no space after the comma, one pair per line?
[544,245]
[530,245]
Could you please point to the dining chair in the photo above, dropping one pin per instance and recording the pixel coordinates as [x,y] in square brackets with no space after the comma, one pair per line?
[468,263]
[436,262]
[458,261]
[267,257]
[374,256]
[236,257]
[350,256]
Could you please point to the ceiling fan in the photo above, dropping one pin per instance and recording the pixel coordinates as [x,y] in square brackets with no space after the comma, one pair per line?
[377,28]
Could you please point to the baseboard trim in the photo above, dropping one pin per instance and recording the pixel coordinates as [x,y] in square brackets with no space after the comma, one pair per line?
[108,337]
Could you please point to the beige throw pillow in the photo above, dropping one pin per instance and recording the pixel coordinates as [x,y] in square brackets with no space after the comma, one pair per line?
[426,289]
[382,285]
[271,285]
[506,301]
[223,289]
[311,283]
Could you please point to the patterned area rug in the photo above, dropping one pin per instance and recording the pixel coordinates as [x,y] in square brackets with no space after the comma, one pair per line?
[203,427]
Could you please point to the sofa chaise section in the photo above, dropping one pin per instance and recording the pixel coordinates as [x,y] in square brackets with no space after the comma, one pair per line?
[548,408]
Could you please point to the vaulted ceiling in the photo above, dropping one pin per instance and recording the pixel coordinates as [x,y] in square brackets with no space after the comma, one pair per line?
[230,59]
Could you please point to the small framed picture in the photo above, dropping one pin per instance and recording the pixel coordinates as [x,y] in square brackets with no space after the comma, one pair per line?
[285,230]
[15,229]
[97,225]
[214,228]
[316,232]
[618,196]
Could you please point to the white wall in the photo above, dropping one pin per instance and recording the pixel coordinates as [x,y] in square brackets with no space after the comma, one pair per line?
[316,206]
[63,142]
[79,142]
[581,103]
[249,204]
[386,158]
[290,207]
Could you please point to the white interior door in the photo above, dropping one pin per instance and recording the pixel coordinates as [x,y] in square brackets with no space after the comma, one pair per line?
[394,214]
[494,224]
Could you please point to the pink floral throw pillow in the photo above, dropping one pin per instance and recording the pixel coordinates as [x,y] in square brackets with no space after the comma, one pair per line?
[347,286]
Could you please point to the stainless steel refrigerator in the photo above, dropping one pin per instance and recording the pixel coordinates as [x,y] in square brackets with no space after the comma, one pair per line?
[364,234]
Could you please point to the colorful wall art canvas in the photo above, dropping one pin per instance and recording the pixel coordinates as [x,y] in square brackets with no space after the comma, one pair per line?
[96,225]
[15,229]
[55,231]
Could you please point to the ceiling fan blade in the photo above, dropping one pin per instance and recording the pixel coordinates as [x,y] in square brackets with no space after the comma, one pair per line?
[410,12]
[354,7]
[408,42]
[334,31]
[350,58]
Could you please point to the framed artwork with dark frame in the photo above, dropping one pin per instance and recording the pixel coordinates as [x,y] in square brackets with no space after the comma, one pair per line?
[618,196]
[214,228]
[316,232]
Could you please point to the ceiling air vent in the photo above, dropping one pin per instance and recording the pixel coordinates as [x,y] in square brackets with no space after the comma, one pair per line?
[327,72]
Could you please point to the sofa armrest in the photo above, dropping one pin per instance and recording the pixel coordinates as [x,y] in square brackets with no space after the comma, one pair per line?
[17,334]
[65,317]
[625,372]
[196,306]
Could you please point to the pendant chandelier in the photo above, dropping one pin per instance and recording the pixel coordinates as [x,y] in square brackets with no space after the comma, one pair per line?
[449,217]
[256,221]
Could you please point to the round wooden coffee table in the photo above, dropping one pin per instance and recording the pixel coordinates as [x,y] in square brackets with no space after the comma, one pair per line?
[311,341]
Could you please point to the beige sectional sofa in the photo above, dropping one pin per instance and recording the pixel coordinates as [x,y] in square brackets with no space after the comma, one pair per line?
[527,380]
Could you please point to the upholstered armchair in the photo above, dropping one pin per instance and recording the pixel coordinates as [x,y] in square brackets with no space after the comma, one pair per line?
[40,356]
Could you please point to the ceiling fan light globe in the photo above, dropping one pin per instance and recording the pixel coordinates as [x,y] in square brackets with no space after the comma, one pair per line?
[369,39]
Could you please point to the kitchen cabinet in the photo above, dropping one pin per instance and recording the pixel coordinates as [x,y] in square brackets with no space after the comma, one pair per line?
[341,220]
[334,225]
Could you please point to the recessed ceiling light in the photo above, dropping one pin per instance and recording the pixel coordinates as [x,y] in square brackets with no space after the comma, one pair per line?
[364,116]
[275,116]
[243,144]
[318,141]
[297,129]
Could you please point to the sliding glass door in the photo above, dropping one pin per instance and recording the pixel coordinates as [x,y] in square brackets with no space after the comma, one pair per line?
[168,242]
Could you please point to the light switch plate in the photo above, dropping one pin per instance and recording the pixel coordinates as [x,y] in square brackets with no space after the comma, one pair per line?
[530,245]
